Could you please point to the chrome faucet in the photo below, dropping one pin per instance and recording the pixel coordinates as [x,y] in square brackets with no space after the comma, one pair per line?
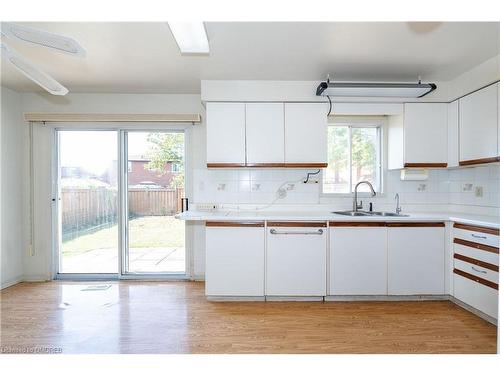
[398,207]
[355,205]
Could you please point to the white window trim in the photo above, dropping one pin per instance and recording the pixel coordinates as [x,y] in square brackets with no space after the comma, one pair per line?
[363,122]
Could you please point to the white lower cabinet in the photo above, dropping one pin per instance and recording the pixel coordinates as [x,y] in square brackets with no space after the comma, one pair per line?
[296,259]
[475,267]
[415,258]
[358,259]
[234,259]
[481,297]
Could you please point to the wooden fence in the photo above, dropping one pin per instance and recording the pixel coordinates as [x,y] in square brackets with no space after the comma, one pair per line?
[87,208]
[143,202]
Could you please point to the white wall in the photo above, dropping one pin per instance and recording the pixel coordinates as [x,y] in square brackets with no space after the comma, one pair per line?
[294,91]
[447,91]
[14,136]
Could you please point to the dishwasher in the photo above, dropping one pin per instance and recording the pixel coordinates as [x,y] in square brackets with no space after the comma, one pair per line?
[296,259]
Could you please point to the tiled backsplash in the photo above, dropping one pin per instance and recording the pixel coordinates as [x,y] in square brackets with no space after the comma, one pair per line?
[458,187]
[257,186]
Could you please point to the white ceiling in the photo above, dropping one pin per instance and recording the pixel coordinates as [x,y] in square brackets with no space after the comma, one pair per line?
[143,57]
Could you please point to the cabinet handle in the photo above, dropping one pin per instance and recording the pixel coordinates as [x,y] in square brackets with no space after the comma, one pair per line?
[475,269]
[317,232]
[476,236]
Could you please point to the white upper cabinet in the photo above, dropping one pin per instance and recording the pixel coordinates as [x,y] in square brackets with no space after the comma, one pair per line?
[479,126]
[226,133]
[419,138]
[425,134]
[498,118]
[453,153]
[265,135]
[306,127]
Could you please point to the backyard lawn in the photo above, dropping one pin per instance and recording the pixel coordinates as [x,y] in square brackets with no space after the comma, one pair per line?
[147,231]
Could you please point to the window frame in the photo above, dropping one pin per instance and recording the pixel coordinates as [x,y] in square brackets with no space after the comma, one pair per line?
[176,169]
[378,122]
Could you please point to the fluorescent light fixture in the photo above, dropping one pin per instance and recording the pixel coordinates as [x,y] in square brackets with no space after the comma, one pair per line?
[43,38]
[370,89]
[191,37]
[32,72]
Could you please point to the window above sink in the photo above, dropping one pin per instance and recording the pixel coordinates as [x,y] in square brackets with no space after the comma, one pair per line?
[354,154]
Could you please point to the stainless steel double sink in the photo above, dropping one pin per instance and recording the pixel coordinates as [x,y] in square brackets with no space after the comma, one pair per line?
[368,213]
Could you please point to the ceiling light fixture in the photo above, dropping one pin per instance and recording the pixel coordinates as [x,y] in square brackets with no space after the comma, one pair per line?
[43,38]
[32,72]
[374,89]
[191,37]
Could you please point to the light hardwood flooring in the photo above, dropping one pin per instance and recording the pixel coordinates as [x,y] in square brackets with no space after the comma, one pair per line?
[175,317]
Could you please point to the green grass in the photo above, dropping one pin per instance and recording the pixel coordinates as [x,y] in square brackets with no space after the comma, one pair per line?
[147,231]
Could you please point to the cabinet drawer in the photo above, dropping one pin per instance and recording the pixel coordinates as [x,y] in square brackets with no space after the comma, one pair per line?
[476,270]
[480,235]
[476,295]
[472,252]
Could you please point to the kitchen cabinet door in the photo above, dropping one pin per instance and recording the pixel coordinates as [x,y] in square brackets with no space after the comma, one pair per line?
[416,258]
[226,133]
[425,134]
[306,133]
[296,260]
[453,141]
[265,133]
[234,259]
[358,260]
[479,126]
[498,124]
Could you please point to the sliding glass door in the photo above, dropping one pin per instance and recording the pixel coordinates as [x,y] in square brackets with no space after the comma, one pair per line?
[88,202]
[155,186]
[118,192]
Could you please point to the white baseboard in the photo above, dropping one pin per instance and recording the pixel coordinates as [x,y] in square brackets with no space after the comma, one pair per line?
[11,282]
[36,278]
[234,299]
[294,298]
[422,297]
[473,310]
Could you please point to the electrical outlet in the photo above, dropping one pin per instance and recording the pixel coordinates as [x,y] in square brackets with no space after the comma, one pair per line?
[421,187]
[478,192]
[281,193]
[221,187]
[207,207]
[255,187]
[467,187]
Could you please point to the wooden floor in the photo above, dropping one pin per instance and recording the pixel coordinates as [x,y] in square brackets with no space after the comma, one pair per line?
[174,317]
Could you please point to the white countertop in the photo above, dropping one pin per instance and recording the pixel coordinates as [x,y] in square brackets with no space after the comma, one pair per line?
[253,215]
